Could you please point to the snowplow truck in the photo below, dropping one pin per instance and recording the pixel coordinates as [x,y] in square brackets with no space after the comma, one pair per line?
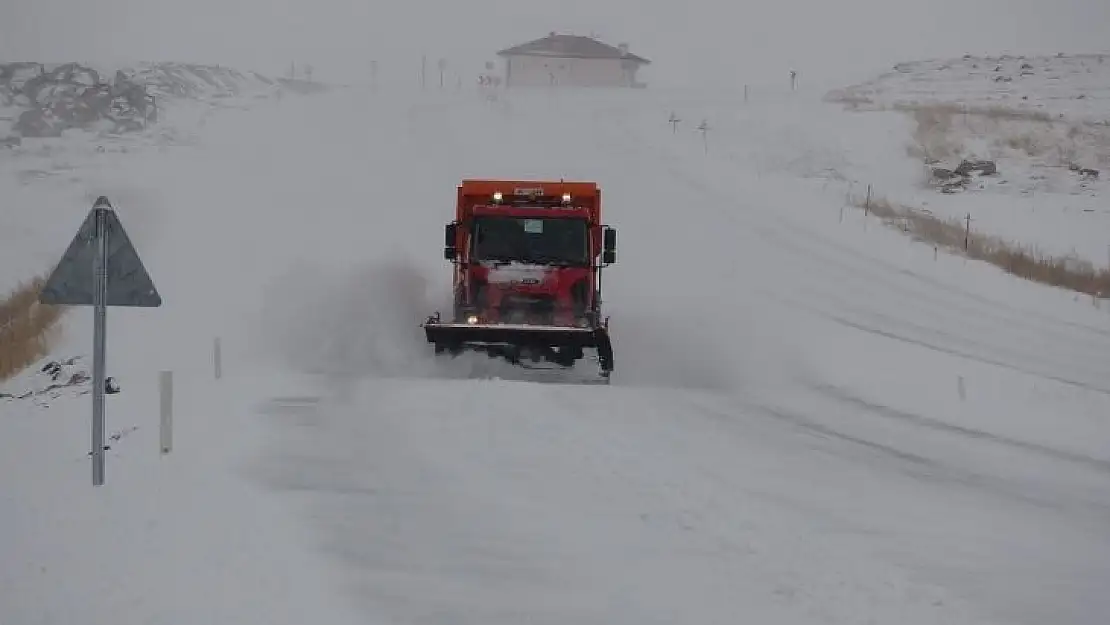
[528,258]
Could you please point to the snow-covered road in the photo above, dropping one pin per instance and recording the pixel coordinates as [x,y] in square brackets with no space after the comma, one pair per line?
[785,441]
[811,420]
[617,505]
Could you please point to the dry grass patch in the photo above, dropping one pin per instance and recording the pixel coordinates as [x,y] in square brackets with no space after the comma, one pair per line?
[27,328]
[992,111]
[945,132]
[1020,260]
[980,110]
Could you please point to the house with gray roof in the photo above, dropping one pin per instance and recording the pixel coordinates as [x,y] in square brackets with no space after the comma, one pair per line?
[571,61]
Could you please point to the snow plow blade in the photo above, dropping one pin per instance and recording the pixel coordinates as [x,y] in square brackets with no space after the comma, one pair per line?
[514,341]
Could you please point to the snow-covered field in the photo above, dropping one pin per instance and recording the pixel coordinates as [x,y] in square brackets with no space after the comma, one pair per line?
[1065,86]
[49,183]
[812,419]
[1045,122]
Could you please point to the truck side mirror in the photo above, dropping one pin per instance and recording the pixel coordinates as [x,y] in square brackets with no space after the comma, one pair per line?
[609,249]
[450,252]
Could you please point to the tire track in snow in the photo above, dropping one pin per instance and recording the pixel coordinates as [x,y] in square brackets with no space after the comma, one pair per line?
[781,473]
[1083,460]
[593,506]
[956,349]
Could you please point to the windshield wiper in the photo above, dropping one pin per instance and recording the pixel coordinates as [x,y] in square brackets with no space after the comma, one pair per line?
[497,258]
[552,260]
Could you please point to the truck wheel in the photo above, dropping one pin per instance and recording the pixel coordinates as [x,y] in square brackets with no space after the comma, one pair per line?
[453,350]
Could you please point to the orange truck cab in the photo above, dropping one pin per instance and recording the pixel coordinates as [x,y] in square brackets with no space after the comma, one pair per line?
[528,259]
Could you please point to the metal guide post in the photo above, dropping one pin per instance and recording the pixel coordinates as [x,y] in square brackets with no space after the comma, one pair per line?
[100,318]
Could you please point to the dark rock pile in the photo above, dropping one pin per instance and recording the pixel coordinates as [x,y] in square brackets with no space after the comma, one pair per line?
[52,378]
[1085,173]
[71,96]
[54,99]
[955,180]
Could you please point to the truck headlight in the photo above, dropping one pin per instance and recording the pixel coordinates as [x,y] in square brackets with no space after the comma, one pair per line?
[472,319]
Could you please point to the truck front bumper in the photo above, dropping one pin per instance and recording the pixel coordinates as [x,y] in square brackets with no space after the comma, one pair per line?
[456,336]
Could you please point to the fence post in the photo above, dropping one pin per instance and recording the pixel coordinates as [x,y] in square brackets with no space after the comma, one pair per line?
[967,232]
[217,358]
[165,433]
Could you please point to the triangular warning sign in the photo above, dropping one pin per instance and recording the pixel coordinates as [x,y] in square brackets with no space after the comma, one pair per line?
[74,280]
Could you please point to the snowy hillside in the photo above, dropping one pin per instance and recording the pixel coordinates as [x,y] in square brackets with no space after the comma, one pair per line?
[1043,122]
[89,118]
[1072,88]
[812,419]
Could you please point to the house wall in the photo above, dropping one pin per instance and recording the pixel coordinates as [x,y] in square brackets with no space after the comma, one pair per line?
[532,71]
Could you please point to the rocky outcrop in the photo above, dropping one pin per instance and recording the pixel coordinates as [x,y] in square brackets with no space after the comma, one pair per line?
[53,99]
[1085,173]
[985,168]
[70,96]
[955,180]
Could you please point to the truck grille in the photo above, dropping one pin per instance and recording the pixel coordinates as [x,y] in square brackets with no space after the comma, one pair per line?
[517,308]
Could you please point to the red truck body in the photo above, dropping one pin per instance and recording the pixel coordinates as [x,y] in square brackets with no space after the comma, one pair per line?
[527,261]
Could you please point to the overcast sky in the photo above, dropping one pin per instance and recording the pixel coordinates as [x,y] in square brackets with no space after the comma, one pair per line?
[689,42]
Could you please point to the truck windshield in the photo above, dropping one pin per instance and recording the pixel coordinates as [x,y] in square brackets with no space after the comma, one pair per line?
[543,241]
